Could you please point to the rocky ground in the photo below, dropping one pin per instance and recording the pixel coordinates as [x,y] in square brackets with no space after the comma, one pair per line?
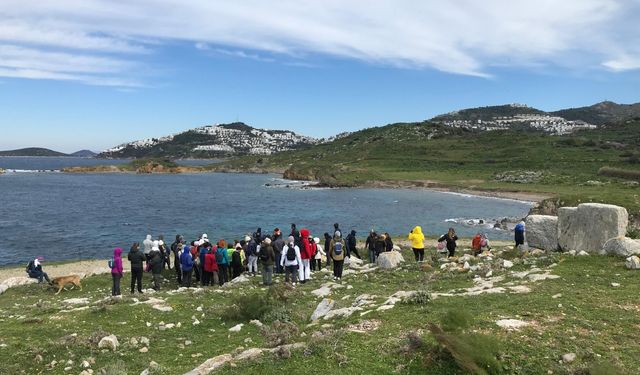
[547,312]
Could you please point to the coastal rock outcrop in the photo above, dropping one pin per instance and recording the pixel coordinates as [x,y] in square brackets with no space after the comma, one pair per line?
[588,226]
[542,232]
[622,246]
[389,259]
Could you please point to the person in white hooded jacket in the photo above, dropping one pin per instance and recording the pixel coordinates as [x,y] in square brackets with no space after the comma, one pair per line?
[319,254]
[290,260]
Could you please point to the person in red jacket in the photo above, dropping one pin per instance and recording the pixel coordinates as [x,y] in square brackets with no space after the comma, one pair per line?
[210,267]
[306,254]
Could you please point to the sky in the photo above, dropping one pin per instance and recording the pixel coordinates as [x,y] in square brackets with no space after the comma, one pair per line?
[91,74]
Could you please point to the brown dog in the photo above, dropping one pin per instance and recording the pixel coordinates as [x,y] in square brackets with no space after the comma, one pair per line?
[62,281]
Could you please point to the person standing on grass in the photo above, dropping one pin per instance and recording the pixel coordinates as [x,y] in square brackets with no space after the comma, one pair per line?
[388,242]
[147,245]
[327,245]
[370,245]
[223,262]
[319,253]
[176,247]
[417,243]
[136,258]
[305,253]
[157,263]
[116,271]
[267,258]
[337,253]
[519,234]
[451,239]
[252,255]
[352,243]
[278,245]
[164,251]
[186,264]
[236,261]
[291,260]
[210,268]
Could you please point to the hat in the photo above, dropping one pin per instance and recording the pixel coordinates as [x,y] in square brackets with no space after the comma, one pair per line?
[267,240]
[316,240]
[247,238]
[204,236]
[338,234]
[291,239]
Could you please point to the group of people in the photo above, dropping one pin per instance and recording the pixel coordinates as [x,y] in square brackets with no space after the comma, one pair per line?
[205,262]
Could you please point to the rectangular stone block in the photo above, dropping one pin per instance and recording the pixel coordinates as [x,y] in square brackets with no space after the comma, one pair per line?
[588,226]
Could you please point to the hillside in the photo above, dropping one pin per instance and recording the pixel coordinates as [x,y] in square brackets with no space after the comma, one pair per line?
[212,142]
[604,113]
[32,151]
[83,154]
[435,155]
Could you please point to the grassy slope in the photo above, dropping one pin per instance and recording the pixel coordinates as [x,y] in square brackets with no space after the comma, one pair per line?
[592,319]
[466,160]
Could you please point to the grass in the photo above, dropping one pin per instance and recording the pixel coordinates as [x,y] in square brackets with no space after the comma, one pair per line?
[592,319]
[436,156]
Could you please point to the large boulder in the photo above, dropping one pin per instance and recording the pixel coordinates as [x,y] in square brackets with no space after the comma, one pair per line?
[622,246]
[323,308]
[542,232]
[588,226]
[109,342]
[389,259]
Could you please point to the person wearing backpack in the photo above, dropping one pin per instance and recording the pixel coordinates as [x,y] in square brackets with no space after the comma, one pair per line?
[176,247]
[267,258]
[370,245]
[211,268]
[337,254]
[417,243]
[278,245]
[380,245]
[450,237]
[157,263]
[388,243]
[34,270]
[352,243]
[291,260]
[519,234]
[304,270]
[236,261]
[186,264]
[136,258]
[252,255]
[116,271]
[317,259]
[223,264]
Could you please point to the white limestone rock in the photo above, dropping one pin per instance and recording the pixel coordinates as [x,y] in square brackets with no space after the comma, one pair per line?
[622,246]
[389,259]
[588,226]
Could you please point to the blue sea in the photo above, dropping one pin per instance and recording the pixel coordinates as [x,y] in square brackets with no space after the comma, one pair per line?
[83,216]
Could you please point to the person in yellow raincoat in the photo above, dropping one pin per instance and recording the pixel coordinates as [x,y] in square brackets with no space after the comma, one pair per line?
[417,243]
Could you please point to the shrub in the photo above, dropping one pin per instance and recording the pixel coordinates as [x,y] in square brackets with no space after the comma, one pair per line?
[421,297]
[279,333]
[619,173]
[245,308]
[116,368]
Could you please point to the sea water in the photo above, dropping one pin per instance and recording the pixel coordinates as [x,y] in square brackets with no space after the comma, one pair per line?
[83,216]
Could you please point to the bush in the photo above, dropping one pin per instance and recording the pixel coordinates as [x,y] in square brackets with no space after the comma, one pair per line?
[619,173]
[473,352]
[246,307]
[116,368]
[421,297]
[279,333]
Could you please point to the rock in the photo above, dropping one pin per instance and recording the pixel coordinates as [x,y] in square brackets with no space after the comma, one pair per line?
[615,285]
[322,292]
[109,342]
[622,246]
[569,357]
[322,309]
[389,259]
[163,308]
[76,301]
[144,341]
[511,324]
[256,323]
[542,231]
[355,261]
[240,279]
[249,354]
[588,226]
[465,258]
[143,349]
[133,341]
[85,364]
[344,312]
[507,263]
[582,253]
[572,253]
[489,273]
[211,365]
[466,266]
[632,263]
[537,252]
[236,328]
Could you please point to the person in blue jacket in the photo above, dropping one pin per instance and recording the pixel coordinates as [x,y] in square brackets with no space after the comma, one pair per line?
[186,263]
[519,234]
[223,262]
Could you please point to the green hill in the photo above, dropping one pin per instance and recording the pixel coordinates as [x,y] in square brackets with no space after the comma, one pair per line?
[32,151]
[427,154]
[602,113]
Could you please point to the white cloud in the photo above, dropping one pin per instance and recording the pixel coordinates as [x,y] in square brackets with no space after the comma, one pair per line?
[467,37]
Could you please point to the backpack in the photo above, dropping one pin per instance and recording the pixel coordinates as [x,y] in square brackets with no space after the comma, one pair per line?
[337,248]
[219,257]
[291,253]
[264,256]
[111,263]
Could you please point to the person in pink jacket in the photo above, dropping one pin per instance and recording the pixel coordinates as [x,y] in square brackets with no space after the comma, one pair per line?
[116,271]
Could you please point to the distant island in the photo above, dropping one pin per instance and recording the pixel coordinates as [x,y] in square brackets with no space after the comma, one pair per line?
[39,151]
